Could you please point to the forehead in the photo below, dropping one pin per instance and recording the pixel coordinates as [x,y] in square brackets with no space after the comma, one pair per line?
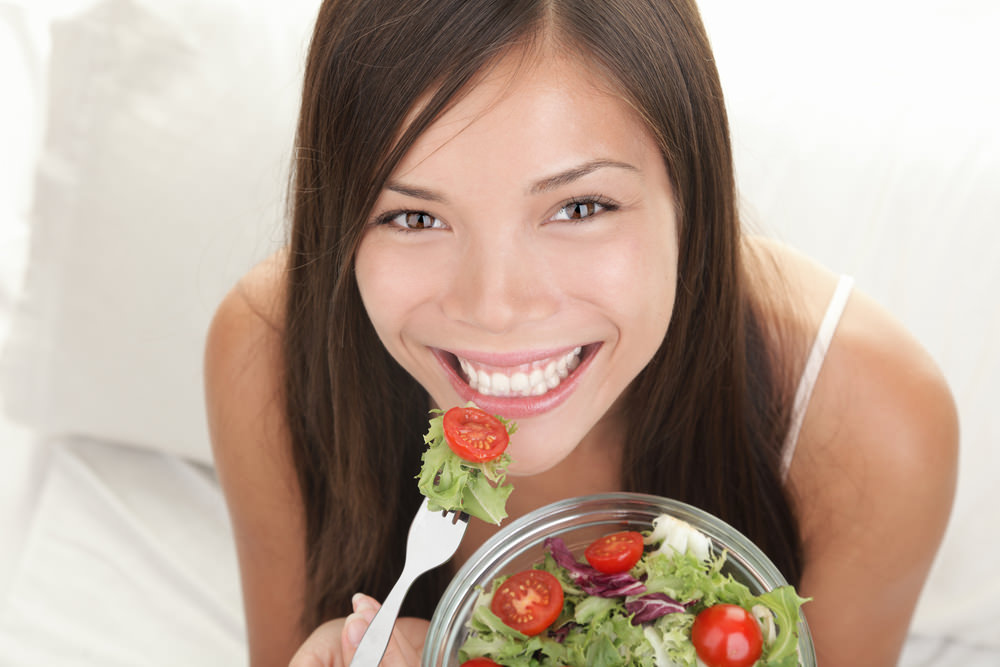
[542,110]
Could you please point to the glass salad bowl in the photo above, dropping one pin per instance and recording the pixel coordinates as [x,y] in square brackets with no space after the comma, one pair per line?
[579,521]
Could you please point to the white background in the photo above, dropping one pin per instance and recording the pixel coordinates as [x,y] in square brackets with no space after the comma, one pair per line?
[865,133]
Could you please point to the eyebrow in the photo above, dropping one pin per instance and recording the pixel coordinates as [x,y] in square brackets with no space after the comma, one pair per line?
[574,173]
[539,187]
[415,192]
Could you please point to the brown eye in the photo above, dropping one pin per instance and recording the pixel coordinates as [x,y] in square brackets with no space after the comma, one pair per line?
[582,209]
[413,221]
[419,220]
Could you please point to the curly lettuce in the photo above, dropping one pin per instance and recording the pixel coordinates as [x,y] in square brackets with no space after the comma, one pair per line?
[640,618]
[451,483]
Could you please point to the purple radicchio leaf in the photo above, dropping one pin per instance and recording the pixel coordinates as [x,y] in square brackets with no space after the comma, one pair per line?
[591,580]
[560,633]
[652,606]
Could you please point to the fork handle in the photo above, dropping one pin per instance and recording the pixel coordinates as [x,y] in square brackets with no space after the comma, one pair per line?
[376,637]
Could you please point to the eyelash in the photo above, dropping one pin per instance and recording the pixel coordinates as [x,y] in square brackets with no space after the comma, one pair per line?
[598,200]
[386,219]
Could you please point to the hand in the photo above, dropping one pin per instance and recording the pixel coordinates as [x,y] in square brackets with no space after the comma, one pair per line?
[333,644]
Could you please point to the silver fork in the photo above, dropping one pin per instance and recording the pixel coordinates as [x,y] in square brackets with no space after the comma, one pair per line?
[433,539]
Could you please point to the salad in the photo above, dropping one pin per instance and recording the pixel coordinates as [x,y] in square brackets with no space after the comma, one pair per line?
[463,466]
[657,598]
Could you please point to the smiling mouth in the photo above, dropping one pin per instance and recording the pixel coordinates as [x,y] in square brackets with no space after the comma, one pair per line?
[535,378]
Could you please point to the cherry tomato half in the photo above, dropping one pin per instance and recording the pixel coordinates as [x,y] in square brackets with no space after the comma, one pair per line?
[727,635]
[479,662]
[529,601]
[615,553]
[475,435]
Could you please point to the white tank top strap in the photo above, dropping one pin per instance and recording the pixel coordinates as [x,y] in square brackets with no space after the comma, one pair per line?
[814,363]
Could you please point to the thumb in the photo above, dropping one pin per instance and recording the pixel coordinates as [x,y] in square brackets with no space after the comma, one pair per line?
[401,651]
[355,625]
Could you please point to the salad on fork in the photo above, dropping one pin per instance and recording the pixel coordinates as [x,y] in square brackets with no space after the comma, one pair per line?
[464,463]
[462,475]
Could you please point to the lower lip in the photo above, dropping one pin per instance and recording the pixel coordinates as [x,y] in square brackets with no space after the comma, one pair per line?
[516,407]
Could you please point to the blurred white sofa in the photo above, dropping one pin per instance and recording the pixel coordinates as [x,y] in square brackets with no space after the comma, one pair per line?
[145,147]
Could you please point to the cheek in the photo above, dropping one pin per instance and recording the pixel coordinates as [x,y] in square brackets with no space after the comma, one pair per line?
[660,284]
[631,277]
[367,276]
[655,273]
[380,289]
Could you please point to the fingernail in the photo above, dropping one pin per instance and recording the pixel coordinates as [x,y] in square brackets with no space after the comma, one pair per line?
[361,602]
[355,626]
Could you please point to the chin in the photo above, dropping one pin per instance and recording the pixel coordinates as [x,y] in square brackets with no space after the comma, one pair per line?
[528,459]
[529,468]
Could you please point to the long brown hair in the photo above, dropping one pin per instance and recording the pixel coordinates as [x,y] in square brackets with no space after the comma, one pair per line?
[708,413]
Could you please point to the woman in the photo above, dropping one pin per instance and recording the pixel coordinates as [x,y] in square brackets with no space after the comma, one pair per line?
[497,185]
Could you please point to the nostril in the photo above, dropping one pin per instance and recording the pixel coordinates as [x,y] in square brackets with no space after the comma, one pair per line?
[498,304]
[498,283]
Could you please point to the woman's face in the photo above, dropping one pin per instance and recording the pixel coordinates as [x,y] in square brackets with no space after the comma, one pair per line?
[523,255]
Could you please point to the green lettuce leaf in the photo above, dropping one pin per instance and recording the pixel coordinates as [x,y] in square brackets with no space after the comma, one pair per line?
[786,606]
[598,631]
[452,483]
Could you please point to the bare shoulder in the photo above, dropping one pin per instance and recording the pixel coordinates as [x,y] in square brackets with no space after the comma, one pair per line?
[874,471]
[253,460]
[881,407]
[243,353]
[257,299]
[877,382]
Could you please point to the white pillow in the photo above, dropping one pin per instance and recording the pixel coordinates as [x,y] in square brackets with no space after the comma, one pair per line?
[161,180]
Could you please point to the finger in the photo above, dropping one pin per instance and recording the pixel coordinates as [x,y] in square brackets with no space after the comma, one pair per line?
[362,602]
[355,625]
[400,651]
[322,648]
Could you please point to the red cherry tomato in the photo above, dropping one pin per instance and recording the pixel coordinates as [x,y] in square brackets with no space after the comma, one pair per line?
[615,553]
[529,601]
[475,435]
[727,635]
[479,662]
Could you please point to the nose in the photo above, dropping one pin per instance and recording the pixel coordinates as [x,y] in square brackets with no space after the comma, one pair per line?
[498,284]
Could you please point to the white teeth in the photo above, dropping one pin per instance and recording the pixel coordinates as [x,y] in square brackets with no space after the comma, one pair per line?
[485,382]
[532,379]
[471,377]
